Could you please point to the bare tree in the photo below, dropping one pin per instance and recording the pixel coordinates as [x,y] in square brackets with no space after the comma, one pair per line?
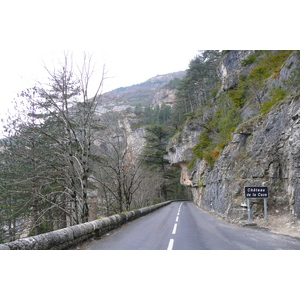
[69,107]
[117,173]
[55,131]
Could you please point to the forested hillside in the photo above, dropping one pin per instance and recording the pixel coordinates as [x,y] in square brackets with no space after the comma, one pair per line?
[142,93]
[65,160]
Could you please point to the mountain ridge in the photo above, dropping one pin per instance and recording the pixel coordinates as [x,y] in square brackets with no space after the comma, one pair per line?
[141,93]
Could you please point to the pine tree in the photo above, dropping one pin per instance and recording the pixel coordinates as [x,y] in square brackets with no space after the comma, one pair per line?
[154,154]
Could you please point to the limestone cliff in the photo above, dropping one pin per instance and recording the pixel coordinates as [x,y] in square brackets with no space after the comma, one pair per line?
[231,67]
[135,136]
[263,150]
[164,95]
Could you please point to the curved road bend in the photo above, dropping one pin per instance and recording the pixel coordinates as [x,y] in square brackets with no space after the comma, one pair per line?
[183,226]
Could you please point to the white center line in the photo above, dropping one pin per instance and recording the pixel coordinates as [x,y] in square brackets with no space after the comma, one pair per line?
[174,229]
[171,242]
[170,247]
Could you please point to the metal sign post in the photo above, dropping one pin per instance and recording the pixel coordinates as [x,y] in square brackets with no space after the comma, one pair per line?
[249,210]
[265,209]
[256,192]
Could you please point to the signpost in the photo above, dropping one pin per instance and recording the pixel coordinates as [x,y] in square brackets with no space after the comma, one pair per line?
[256,192]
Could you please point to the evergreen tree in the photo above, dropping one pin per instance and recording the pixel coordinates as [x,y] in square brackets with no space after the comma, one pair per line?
[47,153]
[195,87]
[154,154]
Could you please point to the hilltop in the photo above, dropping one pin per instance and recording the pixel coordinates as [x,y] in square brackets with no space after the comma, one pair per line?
[142,93]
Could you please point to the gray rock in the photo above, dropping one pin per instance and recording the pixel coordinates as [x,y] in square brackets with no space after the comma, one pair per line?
[264,149]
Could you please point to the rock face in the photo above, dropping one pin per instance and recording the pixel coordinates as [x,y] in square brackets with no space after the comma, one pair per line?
[180,149]
[135,136]
[230,67]
[164,95]
[261,152]
[264,150]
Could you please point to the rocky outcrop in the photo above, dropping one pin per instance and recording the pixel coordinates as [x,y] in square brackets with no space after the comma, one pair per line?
[230,67]
[135,136]
[164,95]
[181,145]
[264,150]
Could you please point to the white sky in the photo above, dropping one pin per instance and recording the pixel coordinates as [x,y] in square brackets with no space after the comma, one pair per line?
[135,39]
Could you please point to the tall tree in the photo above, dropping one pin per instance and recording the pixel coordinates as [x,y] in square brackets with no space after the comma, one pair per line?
[154,154]
[194,88]
[117,172]
[69,108]
[50,147]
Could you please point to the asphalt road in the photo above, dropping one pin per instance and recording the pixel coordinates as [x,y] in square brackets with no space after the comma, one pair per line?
[183,226]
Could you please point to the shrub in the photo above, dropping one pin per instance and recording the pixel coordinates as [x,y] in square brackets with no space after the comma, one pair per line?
[266,106]
[269,64]
[276,95]
[209,158]
[249,60]
[259,73]
[239,93]
[204,142]
[191,163]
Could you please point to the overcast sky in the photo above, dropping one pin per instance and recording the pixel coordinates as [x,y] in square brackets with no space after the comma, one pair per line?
[136,40]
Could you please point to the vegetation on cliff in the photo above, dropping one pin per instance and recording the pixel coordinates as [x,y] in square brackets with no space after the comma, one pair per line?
[222,112]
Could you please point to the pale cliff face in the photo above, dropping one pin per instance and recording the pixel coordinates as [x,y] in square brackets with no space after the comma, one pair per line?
[135,136]
[263,150]
[230,67]
[164,96]
[181,145]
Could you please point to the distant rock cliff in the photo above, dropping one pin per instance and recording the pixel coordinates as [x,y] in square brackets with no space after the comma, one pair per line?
[142,93]
[135,136]
[164,95]
[264,149]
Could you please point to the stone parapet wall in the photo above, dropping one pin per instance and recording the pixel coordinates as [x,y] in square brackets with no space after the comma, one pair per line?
[73,235]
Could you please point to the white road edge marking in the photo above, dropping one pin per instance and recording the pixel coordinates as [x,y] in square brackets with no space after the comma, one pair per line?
[170,246]
[174,229]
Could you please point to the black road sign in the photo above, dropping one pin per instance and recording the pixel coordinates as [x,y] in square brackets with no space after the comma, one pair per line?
[256,192]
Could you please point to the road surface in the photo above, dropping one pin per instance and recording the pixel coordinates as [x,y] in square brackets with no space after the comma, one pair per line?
[183,226]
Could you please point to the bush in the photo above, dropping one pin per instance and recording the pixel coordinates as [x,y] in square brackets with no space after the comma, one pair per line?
[276,95]
[239,93]
[259,73]
[249,60]
[204,142]
[219,130]
[269,64]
